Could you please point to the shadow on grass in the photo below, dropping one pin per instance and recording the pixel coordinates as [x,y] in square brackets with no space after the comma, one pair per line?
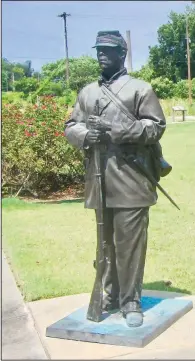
[16,203]
[161,286]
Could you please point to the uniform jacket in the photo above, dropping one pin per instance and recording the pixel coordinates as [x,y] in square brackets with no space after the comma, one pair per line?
[123,185]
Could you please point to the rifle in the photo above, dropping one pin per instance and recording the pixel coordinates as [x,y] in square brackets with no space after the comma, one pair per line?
[95,306]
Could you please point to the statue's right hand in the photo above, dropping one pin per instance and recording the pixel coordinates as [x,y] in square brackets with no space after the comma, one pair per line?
[92,137]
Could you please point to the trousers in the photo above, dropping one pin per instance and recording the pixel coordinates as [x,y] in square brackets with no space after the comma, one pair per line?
[125,231]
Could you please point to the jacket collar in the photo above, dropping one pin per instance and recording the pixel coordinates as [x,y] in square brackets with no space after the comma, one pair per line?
[117,75]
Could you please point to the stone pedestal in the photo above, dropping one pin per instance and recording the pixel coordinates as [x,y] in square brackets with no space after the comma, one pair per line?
[159,314]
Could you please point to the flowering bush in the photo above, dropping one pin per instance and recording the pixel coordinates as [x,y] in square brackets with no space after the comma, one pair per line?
[33,144]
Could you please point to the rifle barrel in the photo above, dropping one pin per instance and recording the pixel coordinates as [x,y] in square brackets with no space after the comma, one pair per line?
[154,182]
[94,312]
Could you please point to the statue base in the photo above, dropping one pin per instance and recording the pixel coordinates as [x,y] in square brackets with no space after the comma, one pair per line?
[159,314]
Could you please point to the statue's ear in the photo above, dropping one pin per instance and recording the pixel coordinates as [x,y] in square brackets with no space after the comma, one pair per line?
[123,54]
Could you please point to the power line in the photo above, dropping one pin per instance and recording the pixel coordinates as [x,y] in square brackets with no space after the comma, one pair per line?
[30,57]
[104,17]
[58,59]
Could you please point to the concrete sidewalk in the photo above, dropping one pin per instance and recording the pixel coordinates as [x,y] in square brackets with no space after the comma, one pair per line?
[24,329]
[20,339]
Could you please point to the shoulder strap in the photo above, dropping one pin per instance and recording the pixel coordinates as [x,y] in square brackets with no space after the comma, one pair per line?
[114,98]
[116,87]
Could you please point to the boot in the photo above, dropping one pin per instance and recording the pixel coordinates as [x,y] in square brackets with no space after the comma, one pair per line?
[134,319]
[133,314]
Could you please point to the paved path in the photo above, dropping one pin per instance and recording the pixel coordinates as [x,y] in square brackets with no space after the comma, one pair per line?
[20,339]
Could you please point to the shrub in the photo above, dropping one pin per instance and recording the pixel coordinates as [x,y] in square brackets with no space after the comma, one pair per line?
[163,87]
[33,143]
[167,105]
[68,98]
[26,85]
[145,73]
[51,88]
[182,89]
[12,97]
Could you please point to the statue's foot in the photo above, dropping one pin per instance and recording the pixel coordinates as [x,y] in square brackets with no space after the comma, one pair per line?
[134,319]
[110,306]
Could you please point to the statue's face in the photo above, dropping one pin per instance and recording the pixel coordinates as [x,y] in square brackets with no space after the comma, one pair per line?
[109,57]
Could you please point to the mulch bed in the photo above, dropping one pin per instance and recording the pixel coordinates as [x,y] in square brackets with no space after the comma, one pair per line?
[73,192]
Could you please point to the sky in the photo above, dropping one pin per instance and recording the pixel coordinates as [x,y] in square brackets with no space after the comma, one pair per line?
[31,30]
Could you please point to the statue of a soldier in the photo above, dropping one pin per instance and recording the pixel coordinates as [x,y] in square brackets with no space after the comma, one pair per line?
[128,193]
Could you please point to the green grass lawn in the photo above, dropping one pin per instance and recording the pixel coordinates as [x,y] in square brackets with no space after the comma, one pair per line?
[51,247]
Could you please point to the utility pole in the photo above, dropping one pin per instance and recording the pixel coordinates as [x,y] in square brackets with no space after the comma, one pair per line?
[129,53]
[6,81]
[64,16]
[188,59]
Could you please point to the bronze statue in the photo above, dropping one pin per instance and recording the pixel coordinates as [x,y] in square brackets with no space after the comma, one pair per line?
[98,125]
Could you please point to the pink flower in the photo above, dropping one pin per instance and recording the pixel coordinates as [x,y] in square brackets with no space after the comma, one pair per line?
[27,133]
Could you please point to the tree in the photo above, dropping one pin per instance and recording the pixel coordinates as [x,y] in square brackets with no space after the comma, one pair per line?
[12,72]
[23,68]
[146,73]
[53,70]
[36,75]
[83,71]
[18,72]
[26,85]
[27,66]
[169,58]
[4,80]
[7,75]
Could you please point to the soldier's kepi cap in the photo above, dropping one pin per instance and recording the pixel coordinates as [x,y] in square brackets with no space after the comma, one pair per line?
[111,38]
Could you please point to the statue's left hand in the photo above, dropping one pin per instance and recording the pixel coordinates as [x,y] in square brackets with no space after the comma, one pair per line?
[96,122]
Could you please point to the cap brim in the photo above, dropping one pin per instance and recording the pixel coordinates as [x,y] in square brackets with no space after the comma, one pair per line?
[105,44]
